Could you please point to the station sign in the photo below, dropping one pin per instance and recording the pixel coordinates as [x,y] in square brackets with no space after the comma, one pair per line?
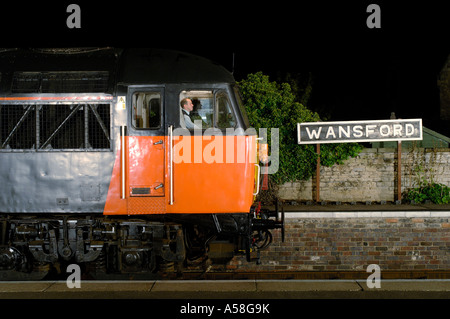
[359,131]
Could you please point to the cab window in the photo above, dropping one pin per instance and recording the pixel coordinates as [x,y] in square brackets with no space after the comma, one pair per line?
[146,113]
[210,109]
[203,111]
[224,113]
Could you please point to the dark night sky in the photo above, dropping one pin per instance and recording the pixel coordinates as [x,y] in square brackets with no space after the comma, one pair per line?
[359,73]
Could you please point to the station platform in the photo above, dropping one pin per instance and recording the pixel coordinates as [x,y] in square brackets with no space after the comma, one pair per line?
[294,210]
[228,289]
[377,207]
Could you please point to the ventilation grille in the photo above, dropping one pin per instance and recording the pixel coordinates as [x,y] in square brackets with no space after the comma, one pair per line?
[60,82]
[140,191]
[55,126]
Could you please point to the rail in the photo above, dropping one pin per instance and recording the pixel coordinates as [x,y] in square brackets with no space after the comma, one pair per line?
[171,163]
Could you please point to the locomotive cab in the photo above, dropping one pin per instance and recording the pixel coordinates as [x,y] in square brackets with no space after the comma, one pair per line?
[163,167]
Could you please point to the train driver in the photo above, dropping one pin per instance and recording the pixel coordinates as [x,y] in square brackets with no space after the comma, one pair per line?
[186,109]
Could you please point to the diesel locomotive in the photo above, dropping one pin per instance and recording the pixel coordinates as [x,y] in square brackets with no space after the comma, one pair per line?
[98,168]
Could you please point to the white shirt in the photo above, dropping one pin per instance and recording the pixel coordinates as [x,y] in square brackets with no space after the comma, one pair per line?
[187,120]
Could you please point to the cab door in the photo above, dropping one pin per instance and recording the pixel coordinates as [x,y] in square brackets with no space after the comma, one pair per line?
[145,162]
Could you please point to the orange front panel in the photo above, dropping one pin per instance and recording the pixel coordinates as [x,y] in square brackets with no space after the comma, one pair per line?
[210,175]
[216,177]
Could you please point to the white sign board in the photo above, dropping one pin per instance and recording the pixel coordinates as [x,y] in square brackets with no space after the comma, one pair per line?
[359,131]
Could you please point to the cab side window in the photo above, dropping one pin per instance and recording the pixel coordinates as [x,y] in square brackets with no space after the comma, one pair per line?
[203,107]
[210,109]
[224,113]
[146,113]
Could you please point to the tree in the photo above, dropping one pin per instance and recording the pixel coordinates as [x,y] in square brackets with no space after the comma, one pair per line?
[273,105]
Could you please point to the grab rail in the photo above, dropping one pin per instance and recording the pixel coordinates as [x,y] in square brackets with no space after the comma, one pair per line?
[257,182]
[171,164]
[122,137]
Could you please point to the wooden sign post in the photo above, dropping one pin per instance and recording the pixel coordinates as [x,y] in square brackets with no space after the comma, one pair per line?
[318,173]
[399,170]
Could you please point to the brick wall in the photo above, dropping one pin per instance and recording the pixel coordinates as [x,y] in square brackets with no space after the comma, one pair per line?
[351,244]
[350,241]
[372,176]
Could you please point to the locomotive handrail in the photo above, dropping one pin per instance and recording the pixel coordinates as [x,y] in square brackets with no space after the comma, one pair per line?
[122,133]
[171,163]
[257,182]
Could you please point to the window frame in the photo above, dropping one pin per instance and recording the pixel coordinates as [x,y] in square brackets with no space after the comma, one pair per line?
[216,92]
[145,88]
[216,109]
[147,91]
[36,107]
